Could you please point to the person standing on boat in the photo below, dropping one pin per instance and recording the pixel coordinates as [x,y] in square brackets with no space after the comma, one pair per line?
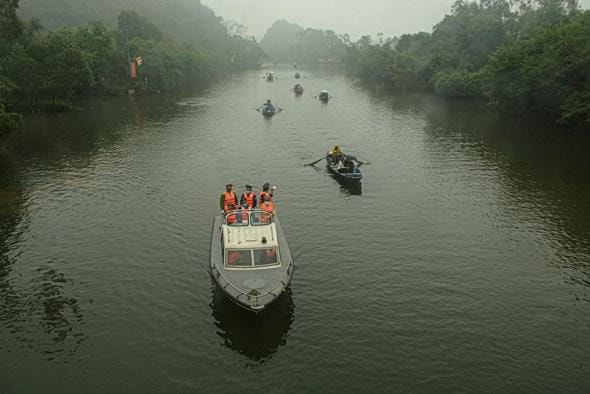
[267,205]
[266,192]
[249,197]
[228,197]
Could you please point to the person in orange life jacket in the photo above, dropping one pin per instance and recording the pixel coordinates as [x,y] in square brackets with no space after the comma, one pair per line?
[266,191]
[267,205]
[249,197]
[232,217]
[227,197]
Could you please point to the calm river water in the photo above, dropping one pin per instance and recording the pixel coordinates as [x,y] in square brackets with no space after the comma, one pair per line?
[462,263]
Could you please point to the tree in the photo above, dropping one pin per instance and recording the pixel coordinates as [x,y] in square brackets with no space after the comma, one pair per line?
[138,26]
[10,24]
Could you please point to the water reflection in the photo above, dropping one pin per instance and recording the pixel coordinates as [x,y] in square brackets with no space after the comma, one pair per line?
[538,166]
[41,316]
[255,336]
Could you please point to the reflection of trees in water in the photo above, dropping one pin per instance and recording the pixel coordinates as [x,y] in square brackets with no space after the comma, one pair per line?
[34,311]
[541,165]
[255,336]
[77,136]
[41,316]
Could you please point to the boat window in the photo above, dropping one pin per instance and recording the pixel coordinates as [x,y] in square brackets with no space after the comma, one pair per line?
[266,256]
[261,218]
[239,258]
[237,218]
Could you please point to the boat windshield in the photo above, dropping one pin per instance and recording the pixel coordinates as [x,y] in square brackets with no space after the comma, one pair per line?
[244,258]
[261,218]
[239,258]
[237,218]
[266,256]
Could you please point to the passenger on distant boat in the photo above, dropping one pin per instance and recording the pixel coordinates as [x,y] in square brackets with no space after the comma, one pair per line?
[336,153]
[227,197]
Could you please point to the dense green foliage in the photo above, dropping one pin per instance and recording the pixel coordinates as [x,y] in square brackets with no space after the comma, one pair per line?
[525,56]
[47,69]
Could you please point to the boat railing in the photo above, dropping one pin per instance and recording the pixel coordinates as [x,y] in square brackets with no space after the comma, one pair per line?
[248,217]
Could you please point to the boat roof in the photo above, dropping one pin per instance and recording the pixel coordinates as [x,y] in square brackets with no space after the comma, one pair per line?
[249,229]
[323,91]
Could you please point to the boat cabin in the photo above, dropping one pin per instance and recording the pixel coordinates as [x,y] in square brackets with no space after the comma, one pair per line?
[249,240]
[324,95]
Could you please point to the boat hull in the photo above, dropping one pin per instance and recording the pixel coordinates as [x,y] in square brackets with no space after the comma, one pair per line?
[354,176]
[278,278]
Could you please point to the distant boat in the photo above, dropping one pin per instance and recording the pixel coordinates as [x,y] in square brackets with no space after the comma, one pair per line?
[270,77]
[324,96]
[297,75]
[268,111]
[298,89]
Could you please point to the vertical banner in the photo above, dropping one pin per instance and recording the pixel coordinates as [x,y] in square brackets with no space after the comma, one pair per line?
[133,72]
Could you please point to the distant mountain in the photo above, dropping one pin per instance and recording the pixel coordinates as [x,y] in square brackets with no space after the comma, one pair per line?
[181,20]
[280,40]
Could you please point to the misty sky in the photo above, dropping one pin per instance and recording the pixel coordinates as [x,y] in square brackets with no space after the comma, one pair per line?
[355,17]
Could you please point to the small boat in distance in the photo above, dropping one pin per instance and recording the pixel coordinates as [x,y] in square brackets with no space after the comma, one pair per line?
[298,89]
[249,258]
[268,111]
[269,77]
[297,75]
[324,96]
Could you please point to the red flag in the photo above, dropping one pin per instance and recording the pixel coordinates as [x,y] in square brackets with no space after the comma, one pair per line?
[133,70]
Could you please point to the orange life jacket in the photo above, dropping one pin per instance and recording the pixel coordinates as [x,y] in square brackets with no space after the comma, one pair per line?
[268,206]
[249,198]
[267,197]
[229,198]
[231,218]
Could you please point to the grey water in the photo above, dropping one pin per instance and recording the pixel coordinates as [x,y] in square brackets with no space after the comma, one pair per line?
[461,263]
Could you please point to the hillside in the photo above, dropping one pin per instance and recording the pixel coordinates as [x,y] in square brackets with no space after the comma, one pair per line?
[280,40]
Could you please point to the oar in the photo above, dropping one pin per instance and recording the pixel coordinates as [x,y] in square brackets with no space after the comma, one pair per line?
[314,162]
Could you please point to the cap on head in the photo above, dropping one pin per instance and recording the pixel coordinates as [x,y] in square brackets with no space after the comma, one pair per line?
[229,185]
[248,187]
[265,186]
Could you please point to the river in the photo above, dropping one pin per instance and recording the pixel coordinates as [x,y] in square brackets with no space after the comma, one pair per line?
[461,264]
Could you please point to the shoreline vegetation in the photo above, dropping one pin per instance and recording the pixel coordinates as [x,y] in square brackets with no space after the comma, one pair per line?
[525,57]
[49,70]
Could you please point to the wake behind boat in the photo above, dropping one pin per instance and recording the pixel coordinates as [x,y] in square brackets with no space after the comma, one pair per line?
[249,258]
